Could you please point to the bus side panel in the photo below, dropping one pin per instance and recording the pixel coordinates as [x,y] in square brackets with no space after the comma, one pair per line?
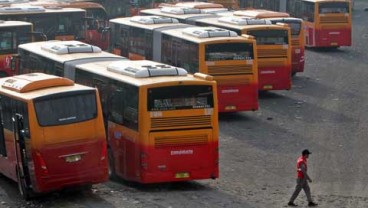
[8,163]
[274,78]
[5,66]
[297,59]
[123,143]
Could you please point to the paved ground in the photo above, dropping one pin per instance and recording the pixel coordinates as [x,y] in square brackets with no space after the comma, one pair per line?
[326,111]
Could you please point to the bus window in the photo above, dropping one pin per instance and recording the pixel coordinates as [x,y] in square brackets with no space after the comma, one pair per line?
[229,51]
[308,11]
[333,7]
[71,108]
[274,37]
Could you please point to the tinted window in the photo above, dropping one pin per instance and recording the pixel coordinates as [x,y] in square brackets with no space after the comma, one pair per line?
[66,108]
[270,37]
[180,97]
[229,51]
[333,7]
[295,26]
[307,12]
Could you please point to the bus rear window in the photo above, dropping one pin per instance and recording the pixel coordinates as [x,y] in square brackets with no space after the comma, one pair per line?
[270,37]
[180,97]
[66,108]
[229,51]
[333,7]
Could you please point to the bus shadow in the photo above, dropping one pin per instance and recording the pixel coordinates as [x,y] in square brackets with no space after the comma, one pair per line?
[236,116]
[160,187]
[326,49]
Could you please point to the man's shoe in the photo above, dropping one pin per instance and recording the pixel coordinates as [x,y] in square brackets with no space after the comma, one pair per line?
[312,204]
[291,204]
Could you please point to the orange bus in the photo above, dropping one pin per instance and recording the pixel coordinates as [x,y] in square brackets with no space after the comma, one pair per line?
[273,48]
[229,58]
[162,123]
[96,18]
[12,33]
[55,23]
[297,32]
[328,23]
[51,134]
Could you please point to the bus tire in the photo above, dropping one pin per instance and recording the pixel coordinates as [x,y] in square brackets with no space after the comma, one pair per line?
[112,173]
[24,192]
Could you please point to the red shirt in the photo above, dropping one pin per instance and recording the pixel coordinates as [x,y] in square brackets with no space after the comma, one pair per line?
[302,161]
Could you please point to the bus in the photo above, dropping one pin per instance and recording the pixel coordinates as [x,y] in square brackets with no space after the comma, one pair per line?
[162,123]
[273,48]
[229,58]
[328,23]
[96,19]
[12,33]
[54,23]
[51,134]
[297,33]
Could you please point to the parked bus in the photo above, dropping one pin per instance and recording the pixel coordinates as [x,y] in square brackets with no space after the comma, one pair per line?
[297,33]
[162,123]
[96,19]
[229,58]
[273,48]
[328,23]
[55,23]
[51,133]
[12,33]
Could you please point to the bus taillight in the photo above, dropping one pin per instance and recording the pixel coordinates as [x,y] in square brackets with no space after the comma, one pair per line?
[41,162]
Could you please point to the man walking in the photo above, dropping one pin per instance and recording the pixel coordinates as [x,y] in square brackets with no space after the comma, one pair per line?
[302,180]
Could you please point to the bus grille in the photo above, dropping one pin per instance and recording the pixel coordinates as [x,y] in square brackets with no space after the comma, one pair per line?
[177,122]
[271,53]
[295,42]
[229,70]
[334,19]
[180,140]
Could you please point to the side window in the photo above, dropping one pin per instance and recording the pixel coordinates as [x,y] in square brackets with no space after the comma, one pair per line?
[308,11]
[2,136]
[124,105]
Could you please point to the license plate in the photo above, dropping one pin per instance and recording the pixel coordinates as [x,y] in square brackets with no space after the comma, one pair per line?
[230,107]
[334,44]
[267,87]
[182,175]
[73,158]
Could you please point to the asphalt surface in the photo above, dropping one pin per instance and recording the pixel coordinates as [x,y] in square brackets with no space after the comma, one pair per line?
[326,112]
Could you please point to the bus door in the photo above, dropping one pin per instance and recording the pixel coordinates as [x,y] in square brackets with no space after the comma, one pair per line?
[23,176]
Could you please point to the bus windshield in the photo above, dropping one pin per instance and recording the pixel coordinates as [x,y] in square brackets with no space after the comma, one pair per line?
[72,107]
[270,37]
[11,38]
[180,97]
[333,7]
[229,51]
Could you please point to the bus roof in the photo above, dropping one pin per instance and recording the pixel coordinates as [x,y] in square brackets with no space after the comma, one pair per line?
[34,85]
[198,34]
[67,4]
[127,21]
[101,68]
[173,15]
[260,13]
[215,22]
[14,23]
[197,5]
[319,1]
[42,48]
[286,19]
[16,10]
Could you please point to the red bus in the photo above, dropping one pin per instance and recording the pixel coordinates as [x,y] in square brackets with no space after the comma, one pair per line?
[297,32]
[228,57]
[273,48]
[12,33]
[52,134]
[162,123]
[328,23]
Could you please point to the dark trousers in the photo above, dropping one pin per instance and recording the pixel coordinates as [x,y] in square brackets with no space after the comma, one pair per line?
[301,184]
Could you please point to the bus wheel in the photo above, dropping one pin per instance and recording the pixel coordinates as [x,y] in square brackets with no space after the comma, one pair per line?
[24,192]
[112,173]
